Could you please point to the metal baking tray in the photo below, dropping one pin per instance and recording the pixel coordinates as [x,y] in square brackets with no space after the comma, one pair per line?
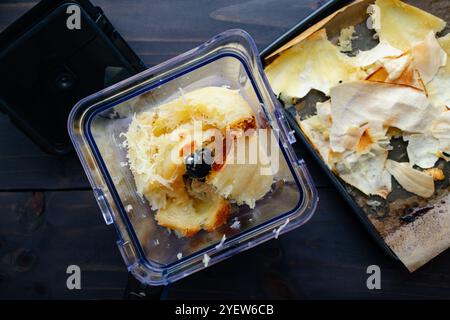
[394,212]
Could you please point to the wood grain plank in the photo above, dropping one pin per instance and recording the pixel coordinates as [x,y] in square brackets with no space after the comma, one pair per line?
[326,258]
[192,21]
[48,238]
[23,165]
[267,12]
[178,19]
